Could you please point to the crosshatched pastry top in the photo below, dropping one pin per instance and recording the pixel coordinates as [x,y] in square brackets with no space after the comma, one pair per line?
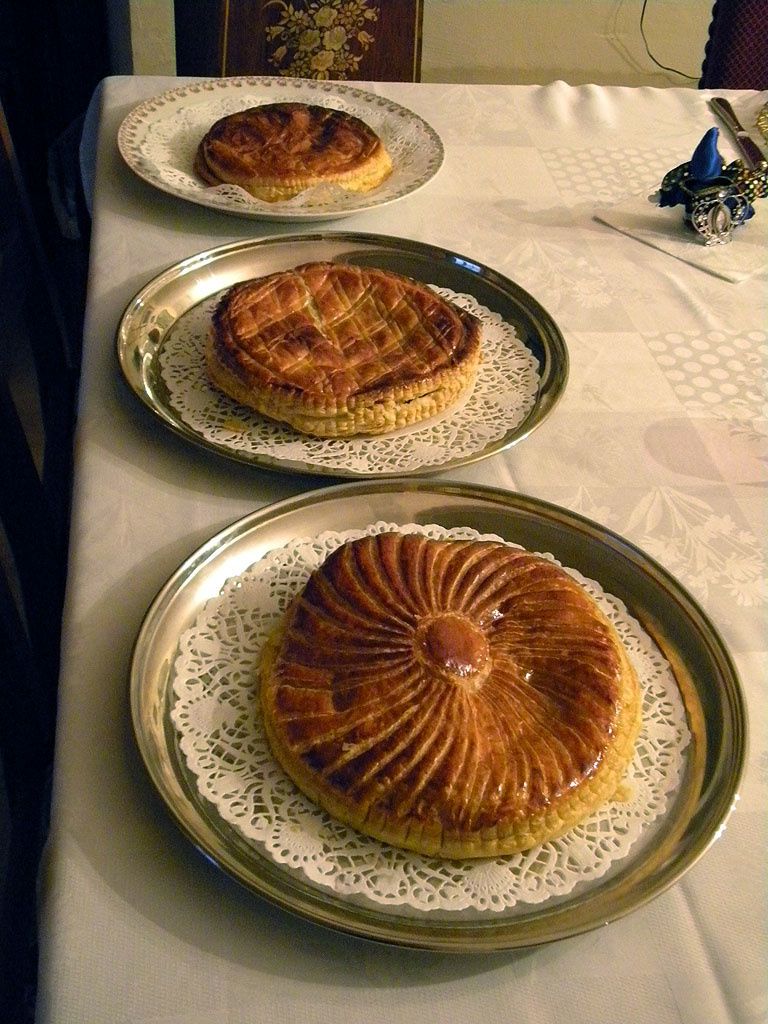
[454,698]
[277,150]
[336,350]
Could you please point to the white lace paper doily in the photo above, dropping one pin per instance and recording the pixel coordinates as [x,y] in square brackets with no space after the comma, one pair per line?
[505,392]
[159,140]
[217,716]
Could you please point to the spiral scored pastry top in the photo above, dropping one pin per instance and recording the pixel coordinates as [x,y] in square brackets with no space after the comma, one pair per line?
[277,150]
[454,698]
[335,349]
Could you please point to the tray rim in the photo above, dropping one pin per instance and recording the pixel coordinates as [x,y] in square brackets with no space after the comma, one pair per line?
[134,365]
[541,924]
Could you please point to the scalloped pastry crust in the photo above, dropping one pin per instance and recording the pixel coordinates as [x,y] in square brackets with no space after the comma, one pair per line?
[336,350]
[454,698]
[277,150]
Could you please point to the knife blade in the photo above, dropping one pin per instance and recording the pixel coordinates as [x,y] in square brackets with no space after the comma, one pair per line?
[747,147]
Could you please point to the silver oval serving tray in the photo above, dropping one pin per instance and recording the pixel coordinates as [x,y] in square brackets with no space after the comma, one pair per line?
[150,316]
[703,668]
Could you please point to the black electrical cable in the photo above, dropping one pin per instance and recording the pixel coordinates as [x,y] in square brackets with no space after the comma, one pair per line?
[692,78]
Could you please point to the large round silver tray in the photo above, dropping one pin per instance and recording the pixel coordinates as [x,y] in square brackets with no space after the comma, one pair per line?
[150,316]
[158,140]
[703,668]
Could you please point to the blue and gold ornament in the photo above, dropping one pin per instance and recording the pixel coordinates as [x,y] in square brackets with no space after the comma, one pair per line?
[717,197]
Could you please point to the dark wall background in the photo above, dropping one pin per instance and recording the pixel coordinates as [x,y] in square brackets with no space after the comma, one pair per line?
[52,55]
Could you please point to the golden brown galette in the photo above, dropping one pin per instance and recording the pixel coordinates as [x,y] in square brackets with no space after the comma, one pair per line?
[336,350]
[454,698]
[277,150]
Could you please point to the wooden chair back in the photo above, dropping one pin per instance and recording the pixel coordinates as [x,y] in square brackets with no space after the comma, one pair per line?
[355,40]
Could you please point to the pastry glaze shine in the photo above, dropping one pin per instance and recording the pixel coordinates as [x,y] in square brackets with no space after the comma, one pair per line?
[277,150]
[335,349]
[454,698]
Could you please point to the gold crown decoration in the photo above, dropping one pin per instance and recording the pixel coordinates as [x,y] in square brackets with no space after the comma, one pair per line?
[717,197]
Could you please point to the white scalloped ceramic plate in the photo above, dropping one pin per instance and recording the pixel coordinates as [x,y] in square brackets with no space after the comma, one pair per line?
[158,140]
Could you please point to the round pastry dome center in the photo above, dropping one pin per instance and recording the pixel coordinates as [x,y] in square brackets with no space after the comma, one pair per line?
[455,646]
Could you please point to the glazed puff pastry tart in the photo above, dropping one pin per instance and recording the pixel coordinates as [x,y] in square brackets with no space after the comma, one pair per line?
[454,698]
[277,150]
[336,350]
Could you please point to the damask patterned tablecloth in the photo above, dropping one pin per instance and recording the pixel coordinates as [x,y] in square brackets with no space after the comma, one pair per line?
[660,436]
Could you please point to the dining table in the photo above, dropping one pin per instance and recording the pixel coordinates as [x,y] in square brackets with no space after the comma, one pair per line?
[642,463]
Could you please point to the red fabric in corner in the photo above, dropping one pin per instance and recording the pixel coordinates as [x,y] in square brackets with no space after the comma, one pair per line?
[736,54]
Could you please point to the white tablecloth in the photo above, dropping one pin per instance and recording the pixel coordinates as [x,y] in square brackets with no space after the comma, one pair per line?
[660,436]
